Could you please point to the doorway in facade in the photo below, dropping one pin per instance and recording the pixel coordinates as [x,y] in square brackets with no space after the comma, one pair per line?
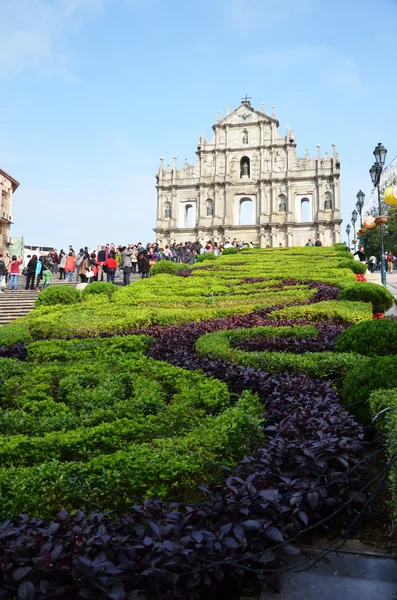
[246,211]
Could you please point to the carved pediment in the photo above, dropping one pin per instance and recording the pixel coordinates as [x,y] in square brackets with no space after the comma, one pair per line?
[245,114]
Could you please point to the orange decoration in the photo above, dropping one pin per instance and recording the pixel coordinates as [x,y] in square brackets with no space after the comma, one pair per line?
[369,222]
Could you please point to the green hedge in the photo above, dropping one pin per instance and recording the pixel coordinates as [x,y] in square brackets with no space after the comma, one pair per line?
[365,376]
[58,294]
[166,266]
[370,338]
[380,298]
[88,423]
[355,266]
[165,468]
[315,364]
[339,246]
[386,422]
[231,250]
[99,287]
[206,256]
[347,312]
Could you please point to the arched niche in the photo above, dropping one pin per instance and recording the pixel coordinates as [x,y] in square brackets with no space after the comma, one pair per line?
[282,203]
[328,201]
[209,207]
[245,167]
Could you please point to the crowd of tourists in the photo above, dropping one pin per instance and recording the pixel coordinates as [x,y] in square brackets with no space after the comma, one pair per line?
[107,263]
[373,264]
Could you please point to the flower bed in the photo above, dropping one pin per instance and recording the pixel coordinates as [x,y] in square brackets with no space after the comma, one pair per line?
[99,423]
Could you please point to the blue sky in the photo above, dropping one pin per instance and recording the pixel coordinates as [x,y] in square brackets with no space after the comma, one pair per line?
[95,91]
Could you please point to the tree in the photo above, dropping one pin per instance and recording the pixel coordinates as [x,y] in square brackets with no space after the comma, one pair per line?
[371,239]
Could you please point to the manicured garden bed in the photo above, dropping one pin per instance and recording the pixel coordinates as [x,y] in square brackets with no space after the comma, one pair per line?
[196,417]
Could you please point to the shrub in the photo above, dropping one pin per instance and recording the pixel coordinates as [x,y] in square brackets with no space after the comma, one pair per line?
[99,287]
[339,246]
[14,333]
[356,266]
[386,422]
[231,250]
[337,311]
[58,294]
[367,375]
[315,364]
[380,298]
[370,338]
[166,266]
[206,256]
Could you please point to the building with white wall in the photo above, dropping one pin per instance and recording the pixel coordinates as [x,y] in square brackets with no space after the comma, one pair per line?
[249,184]
[8,185]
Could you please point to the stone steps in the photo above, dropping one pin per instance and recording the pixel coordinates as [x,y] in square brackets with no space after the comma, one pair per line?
[17,303]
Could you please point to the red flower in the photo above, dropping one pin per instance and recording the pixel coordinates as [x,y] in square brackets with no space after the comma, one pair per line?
[378,316]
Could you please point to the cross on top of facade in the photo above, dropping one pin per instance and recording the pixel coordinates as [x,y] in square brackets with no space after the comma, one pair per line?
[246,100]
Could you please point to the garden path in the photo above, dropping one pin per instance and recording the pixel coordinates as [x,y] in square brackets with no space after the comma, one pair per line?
[341,577]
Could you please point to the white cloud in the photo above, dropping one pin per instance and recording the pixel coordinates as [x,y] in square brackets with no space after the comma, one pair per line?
[32,32]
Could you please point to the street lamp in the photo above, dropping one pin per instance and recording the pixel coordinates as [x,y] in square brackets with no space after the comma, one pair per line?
[348,230]
[360,205]
[376,172]
[354,219]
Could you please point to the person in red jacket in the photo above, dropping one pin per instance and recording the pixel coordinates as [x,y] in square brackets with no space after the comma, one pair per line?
[110,267]
[13,270]
[69,267]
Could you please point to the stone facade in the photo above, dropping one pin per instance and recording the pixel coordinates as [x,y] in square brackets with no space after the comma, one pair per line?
[8,185]
[290,199]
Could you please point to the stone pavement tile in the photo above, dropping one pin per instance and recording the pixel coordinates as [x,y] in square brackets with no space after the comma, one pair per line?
[344,577]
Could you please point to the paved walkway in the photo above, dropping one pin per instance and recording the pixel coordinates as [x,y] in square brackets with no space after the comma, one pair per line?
[391,284]
[340,577]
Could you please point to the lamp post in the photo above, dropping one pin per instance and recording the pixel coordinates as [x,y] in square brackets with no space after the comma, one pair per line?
[348,230]
[360,205]
[354,219]
[376,172]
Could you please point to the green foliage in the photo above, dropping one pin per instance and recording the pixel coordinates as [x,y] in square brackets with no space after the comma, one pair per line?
[206,256]
[166,266]
[58,294]
[99,287]
[337,311]
[371,239]
[355,265]
[340,246]
[231,250]
[380,298]
[92,422]
[370,338]
[383,407]
[365,376]
[315,364]
[14,333]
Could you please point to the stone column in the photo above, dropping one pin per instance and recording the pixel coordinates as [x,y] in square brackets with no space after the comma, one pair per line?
[201,202]
[290,204]
[174,172]
[174,208]
[216,202]
[319,201]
